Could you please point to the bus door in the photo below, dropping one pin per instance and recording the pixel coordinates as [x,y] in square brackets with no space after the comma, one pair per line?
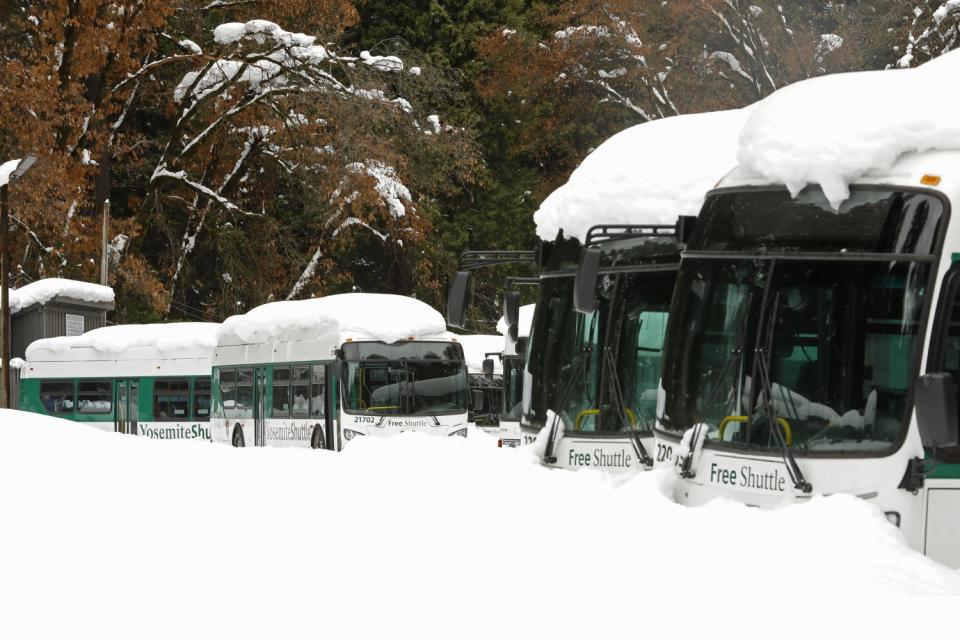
[331,386]
[259,406]
[127,410]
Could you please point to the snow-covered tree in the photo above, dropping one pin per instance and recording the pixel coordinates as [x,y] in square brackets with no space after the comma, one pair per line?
[933,28]
[61,62]
[272,126]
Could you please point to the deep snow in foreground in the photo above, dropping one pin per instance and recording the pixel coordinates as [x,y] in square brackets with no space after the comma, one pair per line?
[110,536]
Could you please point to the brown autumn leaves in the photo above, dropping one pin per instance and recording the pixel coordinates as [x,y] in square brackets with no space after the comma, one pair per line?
[276,172]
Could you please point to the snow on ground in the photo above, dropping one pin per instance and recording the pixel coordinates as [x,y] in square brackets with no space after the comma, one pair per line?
[833,129]
[45,290]
[110,536]
[360,316]
[650,173]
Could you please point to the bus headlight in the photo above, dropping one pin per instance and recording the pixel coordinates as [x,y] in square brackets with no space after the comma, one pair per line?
[459,432]
[348,434]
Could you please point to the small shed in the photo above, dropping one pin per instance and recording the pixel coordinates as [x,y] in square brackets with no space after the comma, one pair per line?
[55,307]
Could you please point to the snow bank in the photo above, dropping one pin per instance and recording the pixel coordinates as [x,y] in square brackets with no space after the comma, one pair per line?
[834,129]
[361,316]
[108,536]
[43,291]
[474,348]
[648,174]
[131,341]
[524,321]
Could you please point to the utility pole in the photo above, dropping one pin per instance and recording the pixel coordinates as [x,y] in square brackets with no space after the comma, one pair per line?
[5,295]
[103,242]
[16,174]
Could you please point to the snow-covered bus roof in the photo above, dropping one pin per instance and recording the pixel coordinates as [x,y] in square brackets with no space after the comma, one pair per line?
[523,323]
[130,342]
[834,130]
[476,346]
[650,173]
[43,291]
[381,317]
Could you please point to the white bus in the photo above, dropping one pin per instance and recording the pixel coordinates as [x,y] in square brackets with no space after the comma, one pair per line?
[486,380]
[150,380]
[320,372]
[514,359]
[813,345]
[592,374]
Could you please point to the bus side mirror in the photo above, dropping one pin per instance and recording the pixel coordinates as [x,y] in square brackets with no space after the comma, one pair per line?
[488,368]
[585,282]
[457,300]
[685,228]
[936,404]
[511,313]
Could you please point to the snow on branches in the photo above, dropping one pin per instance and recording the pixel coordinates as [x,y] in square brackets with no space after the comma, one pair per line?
[271,108]
[934,30]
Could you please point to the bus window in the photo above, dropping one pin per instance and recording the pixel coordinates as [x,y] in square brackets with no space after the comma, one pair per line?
[244,405]
[201,398]
[171,399]
[318,394]
[94,396]
[301,390]
[228,392]
[57,397]
[281,392]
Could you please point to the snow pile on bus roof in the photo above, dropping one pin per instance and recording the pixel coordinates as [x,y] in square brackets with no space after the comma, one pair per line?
[833,129]
[650,173]
[475,348]
[131,342]
[524,322]
[409,537]
[43,291]
[361,316]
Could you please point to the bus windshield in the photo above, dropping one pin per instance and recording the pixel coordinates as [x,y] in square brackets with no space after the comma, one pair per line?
[405,378]
[644,300]
[564,356]
[831,302]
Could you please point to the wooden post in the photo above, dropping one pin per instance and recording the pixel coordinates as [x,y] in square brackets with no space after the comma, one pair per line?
[104,256]
[5,296]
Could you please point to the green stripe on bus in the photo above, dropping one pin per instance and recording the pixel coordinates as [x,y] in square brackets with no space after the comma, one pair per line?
[942,470]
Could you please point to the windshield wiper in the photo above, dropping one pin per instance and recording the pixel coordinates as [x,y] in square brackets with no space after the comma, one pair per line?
[617,392]
[579,361]
[762,363]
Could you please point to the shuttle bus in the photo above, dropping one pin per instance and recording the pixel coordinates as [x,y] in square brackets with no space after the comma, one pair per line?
[486,380]
[815,350]
[149,380]
[514,362]
[319,373]
[593,363]
[593,376]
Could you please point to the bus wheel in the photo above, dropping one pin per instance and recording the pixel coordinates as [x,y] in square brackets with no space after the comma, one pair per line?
[316,440]
[237,440]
